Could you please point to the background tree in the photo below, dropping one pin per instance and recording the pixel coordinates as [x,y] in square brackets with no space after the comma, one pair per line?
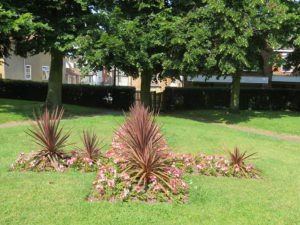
[225,37]
[65,19]
[14,25]
[136,38]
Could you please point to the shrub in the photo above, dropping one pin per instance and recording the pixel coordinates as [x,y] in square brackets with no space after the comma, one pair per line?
[140,153]
[48,135]
[144,150]
[209,98]
[91,145]
[238,161]
[77,94]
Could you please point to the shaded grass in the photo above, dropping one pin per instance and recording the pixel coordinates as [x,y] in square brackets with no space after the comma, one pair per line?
[282,122]
[28,198]
[12,110]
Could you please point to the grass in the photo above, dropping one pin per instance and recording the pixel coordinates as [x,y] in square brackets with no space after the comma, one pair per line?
[282,122]
[12,110]
[29,198]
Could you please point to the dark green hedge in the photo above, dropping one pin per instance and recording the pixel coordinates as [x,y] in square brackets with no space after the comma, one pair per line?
[77,94]
[210,98]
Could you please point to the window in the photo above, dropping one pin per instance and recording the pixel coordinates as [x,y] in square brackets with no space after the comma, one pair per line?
[283,69]
[27,72]
[45,72]
[69,79]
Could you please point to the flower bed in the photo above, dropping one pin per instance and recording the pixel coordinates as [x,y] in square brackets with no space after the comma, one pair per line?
[213,165]
[138,167]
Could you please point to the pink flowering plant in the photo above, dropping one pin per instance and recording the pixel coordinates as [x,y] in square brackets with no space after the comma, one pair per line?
[140,151]
[48,135]
[215,165]
[90,157]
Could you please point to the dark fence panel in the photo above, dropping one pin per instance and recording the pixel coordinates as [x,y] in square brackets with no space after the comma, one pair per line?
[156,102]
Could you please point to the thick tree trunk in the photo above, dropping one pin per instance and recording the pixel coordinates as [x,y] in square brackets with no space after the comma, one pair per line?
[235,93]
[55,79]
[145,88]
[268,70]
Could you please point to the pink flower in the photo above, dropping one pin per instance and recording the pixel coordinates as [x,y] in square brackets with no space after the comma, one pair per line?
[184,184]
[21,154]
[90,163]
[222,158]
[125,176]
[236,169]
[99,162]
[99,187]
[209,157]
[157,187]
[123,195]
[226,162]
[127,184]
[218,165]
[111,183]
[215,156]
[137,189]
[202,156]
[153,180]
[95,182]
[224,169]
[201,166]
[12,166]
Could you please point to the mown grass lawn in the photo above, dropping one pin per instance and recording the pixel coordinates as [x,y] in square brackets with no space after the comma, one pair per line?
[282,122]
[13,110]
[29,198]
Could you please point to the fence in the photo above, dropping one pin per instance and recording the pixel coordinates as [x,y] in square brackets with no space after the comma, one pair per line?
[156,102]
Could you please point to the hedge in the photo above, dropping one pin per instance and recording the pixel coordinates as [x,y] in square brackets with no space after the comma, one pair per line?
[77,94]
[212,98]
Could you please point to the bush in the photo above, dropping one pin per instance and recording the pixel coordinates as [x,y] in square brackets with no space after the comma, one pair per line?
[77,94]
[212,98]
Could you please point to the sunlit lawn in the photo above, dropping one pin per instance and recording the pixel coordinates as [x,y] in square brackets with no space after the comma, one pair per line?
[282,122]
[12,110]
[29,198]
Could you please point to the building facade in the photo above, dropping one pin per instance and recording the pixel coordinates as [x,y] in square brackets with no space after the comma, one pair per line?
[36,68]
[277,77]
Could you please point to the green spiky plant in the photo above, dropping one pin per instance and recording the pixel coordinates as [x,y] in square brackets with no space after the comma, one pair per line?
[142,154]
[48,135]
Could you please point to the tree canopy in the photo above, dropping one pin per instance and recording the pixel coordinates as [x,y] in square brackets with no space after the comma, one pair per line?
[65,21]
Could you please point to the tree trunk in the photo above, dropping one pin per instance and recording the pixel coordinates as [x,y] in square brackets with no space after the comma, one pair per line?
[235,93]
[145,88]
[268,70]
[55,79]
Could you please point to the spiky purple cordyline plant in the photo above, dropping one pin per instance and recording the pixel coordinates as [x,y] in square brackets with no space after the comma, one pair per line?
[238,159]
[91,145]
[48,135]
[143,154]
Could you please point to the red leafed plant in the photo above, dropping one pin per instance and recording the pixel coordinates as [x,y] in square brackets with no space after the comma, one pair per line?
[239,158]
[48,135]
[91,145]
[143,149]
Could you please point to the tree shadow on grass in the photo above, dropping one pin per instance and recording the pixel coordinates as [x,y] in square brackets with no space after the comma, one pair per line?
[22,110]
[223,116]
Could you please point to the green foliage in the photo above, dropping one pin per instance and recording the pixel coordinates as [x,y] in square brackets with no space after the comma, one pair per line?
[85,95]
[15,26]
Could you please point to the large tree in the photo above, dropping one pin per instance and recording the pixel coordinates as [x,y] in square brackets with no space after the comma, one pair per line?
[14,25]
[66,19]
[225,37]
[136,39]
